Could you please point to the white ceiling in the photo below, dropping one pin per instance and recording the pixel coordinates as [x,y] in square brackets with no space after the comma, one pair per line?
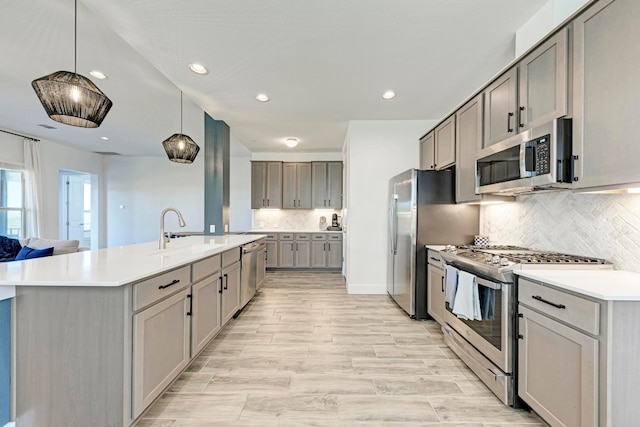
[323,63]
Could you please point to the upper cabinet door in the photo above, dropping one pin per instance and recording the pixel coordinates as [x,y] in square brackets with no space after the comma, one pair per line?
[334,185]
[319,181]
[274,185]
[258,185]
[607,94]
[289,187]
[445,144]
[469,139]
[303,180]
[428,152]
[543,83]
[500,108]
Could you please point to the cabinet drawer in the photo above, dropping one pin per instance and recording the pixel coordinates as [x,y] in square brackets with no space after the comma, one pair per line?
[303,237]
[231,256]
[285,236]
[318,236]
[272,236]
[204,268]
[336,236]
[154,289]
[433,257]
[574,310]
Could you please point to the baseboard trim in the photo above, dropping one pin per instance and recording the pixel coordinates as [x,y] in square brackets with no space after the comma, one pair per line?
[366,289]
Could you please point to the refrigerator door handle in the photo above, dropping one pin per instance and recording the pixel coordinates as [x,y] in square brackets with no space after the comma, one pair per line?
[393,225]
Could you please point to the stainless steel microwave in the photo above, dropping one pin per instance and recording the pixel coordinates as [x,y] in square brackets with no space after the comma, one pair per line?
[537,159]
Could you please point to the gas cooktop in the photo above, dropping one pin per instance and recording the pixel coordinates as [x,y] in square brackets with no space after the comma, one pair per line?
[499,261]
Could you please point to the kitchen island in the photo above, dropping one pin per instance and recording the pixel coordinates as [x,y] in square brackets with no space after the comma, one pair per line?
[100,334]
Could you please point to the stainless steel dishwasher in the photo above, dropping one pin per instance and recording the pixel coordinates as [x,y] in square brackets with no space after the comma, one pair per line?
[249,272]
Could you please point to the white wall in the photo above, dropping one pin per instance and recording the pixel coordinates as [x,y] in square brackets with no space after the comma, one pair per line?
[375,151]
[139,188]
[55,157]
[548,17]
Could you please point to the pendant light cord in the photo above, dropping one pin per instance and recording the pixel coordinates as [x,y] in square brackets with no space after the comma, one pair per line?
[180,112]
[75,38]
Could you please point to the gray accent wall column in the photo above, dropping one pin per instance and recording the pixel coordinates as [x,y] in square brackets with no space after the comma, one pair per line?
[216,175]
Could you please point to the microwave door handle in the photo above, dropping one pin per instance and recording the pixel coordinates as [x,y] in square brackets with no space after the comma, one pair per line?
[526,157]
[530,158]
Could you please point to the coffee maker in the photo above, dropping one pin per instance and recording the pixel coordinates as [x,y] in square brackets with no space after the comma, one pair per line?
[335,225]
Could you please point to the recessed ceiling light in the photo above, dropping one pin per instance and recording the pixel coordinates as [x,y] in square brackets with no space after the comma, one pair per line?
[291,142]
[388,94]
[98,74]
[198,68]
[262,97]
[104,138]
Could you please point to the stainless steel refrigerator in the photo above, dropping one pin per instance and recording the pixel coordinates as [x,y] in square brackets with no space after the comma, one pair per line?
[422,211]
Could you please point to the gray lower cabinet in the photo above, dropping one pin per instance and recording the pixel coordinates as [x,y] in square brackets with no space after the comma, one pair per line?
[286,252]
[296,185]
[435,292]
[205,312]
[230,291]
[558,371]
[294,253]
[334,254]
[261,267]
[326,250]
[606,94]
[302,254]
[469,140]
[272,254]
[161,348]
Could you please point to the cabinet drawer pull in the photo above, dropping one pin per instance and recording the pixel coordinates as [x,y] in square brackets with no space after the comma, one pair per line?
[226,282]
[220,290]
[169,284]
[509,128]
[442,283]
[190,304]
[520,112]
[539,298]
[434,259]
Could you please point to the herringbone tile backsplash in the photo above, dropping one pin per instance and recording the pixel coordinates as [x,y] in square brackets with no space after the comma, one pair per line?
[598,225]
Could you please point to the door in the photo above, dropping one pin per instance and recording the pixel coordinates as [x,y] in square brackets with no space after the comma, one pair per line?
[435,298]
[303,179]
[542,94]
[272,255]
[289,186]
[319,184]
[428,152]
[469,139]
[76,207]
[261,266]
[161,348]
[405,246]
[445,144]
[258,184]
[230,292]
[499,108]
[274,185]
[205,312]
[286,254]
[318,254]
[303,254]
[334,254]
[557,371]
[334,185]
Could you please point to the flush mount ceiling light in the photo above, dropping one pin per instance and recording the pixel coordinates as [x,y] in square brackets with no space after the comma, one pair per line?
[104,138]
[198,68]
[291,142]
[71,98]
[180,148]
[262,97]
[389,94]
[98,74]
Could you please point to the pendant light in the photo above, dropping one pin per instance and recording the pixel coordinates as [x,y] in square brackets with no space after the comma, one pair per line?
[180,148]
[71,98]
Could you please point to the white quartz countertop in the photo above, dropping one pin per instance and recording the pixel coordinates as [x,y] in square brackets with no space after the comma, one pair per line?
[613,285]
[312,230]
[118,265]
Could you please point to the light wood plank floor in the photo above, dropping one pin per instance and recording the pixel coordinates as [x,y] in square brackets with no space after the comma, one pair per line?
[305,353]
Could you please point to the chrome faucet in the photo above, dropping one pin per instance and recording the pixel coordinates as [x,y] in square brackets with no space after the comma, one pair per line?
[163,239]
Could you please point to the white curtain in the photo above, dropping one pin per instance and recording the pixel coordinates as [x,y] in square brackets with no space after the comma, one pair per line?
[33,188]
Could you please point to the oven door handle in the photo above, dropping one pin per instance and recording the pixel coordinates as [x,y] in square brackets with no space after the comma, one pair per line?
[487,284]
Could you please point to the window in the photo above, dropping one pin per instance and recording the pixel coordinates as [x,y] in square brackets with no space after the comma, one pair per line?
[11,203]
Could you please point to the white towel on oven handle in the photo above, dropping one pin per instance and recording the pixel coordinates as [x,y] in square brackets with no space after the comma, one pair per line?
[450,284]
[467,302]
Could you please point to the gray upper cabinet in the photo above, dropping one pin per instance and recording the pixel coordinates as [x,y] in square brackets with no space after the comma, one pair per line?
[542,94]
[266,185]
[327,185]
[296,185]
[606,94]
[469,140]
[500,100]
[531,93]
[445,144]
[428,151]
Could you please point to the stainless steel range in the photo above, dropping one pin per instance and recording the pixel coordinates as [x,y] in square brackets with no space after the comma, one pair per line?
[488,345]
